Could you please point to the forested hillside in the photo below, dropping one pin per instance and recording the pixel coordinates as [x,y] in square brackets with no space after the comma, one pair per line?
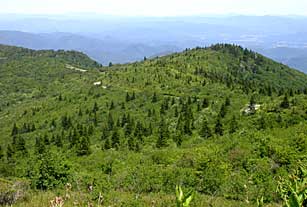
[223,121]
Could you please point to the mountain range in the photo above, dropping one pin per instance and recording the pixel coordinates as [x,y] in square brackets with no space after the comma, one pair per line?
[121,40]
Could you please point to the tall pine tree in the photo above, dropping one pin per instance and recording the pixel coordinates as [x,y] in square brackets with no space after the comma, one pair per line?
[163,135]
[205,131]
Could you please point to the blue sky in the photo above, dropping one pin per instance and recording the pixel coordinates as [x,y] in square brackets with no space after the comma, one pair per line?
[156,7]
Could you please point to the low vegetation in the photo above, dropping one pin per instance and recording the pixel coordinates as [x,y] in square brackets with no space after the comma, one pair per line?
[223,122]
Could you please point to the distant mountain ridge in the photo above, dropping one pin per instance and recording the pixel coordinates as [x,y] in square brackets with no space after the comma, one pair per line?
[103,51]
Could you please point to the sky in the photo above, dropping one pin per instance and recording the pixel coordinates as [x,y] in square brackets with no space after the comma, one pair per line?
[156,7]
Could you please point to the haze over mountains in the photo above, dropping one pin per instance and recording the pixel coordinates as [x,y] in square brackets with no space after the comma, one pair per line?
[121,40]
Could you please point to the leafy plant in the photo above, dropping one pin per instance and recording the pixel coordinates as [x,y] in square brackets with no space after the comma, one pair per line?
[294,190]
[260,202]
[183,200]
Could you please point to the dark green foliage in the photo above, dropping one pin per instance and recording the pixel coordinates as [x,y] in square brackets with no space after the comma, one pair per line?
[105,133]
[107,144]
[83,147]
[163,134]
[218,129]
[205,103]
[138,131]
[110,123]
[154,98]
[205,131]
[178,139]
[227,101]
[115,139]
[20,145]
[252,100]
[96,108]
[58,141]
[14,130]
[223,109]
[50,170]
[233,125]
[1,152]
[39,145]
[10,152]
[185,120]
[261,123]
[285,103]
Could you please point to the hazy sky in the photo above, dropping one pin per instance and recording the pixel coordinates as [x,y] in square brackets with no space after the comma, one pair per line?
[156,7]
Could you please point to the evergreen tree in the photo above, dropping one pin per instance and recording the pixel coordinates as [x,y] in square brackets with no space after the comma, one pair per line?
[163,135]
[227,101]
[233,126]
[180,124]
[53,124]
[123,107]
[285,103]
[223,109]
[95,108]
[218,129]
[10,153]
[1,152]
[104,134]
[279,120]
[127,97]
[178,139]
[173,101]
[14,130]
[66,122]
[261,123]
[198,107]
[83,147]
[188,126]
[74,138]
[133,96]
[185,120]
[33,128]
[80,112]
[115,139]
[149,130]
[110,122]
[90,130]
[46,140]
[205,103]
[131,143]
[176,113]
[21,145]
[154,98]
[39,146]
[112,106]
[205,131]
[138,131]
[252,100]
[107,144]
[128,129]
[58,141]
[124,120]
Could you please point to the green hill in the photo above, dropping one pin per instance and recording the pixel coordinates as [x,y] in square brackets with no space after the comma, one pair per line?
[223,121]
